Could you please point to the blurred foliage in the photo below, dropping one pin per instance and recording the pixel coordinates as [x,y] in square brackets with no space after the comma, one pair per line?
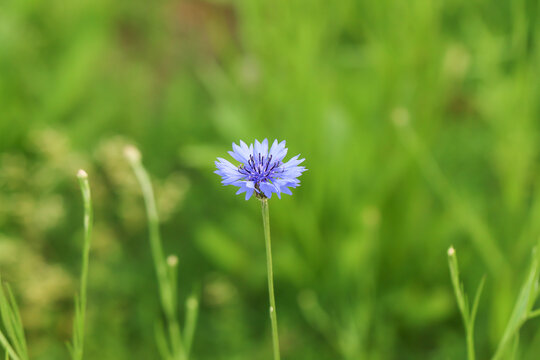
[418,121]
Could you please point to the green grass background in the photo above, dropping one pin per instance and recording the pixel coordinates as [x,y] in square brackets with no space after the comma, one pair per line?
[419,122]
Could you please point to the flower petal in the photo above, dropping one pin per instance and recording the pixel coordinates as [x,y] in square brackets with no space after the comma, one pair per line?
[293,162]
[249,192]
[264,148]
[278,150]
[256,149]
[267,189]
[240,153]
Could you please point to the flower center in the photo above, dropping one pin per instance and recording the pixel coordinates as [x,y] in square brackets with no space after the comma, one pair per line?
[260,168]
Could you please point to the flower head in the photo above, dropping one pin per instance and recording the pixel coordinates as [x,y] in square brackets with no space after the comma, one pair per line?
[261,171]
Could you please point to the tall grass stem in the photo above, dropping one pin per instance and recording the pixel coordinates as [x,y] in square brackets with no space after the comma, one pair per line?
[166,282]
[192,311]
[81,300]
[468,314]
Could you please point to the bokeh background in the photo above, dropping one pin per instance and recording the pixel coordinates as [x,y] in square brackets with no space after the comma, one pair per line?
[419,122]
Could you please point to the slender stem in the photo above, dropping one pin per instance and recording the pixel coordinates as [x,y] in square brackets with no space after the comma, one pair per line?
[192,309]
[470,344]
[165,281]
[88,218]
[273,316]
[463,304]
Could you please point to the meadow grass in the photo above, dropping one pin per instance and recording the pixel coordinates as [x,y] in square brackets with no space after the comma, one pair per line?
[79,323]
[174,346]
[468,313]
[173,342]
[359,251]
[508,346]
[13,340]
[14,343]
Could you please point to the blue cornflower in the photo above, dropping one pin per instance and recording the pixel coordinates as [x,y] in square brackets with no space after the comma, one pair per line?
[261,171]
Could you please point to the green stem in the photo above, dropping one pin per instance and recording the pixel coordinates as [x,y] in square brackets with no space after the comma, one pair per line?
[192,309]
[88,219]
[273,317]
[470,344]
[77,346]
[468,314]
[165,281]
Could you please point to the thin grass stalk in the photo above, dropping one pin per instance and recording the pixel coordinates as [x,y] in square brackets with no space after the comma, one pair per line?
[522,308]
[79,325]
[12,339]
[468,314]
[9,350]
[192,311]
[8,320]
[165,282]
[17,321]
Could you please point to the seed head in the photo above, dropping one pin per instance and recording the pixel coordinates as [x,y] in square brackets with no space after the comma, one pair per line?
[132,154]
[81,174]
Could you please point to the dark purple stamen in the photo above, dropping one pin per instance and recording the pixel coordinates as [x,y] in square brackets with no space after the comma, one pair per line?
[260,168]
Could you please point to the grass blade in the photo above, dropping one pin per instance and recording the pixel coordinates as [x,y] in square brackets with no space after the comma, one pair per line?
[477,300]
[13,340]
[7,347]
[17,323]
[522,308]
